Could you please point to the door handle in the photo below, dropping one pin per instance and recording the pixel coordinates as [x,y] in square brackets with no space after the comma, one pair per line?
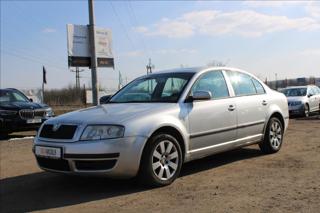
[231,107]
[264,102]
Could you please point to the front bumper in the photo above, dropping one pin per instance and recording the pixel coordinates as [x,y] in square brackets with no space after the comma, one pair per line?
[296,110]
[113,157]
[15,124]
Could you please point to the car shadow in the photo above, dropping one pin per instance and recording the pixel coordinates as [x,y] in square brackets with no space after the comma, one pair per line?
[18,135]
[43,190]
[313,116]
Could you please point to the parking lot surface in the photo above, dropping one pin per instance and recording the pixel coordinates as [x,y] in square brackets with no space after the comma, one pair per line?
[242,180]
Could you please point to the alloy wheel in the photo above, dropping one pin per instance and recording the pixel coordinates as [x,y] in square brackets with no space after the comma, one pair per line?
[275,135]
[165,160]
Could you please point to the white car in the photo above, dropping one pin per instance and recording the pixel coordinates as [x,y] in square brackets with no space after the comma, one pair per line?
[302,100]
[159,121]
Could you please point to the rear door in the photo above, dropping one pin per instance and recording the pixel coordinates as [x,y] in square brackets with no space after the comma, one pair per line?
[251,101]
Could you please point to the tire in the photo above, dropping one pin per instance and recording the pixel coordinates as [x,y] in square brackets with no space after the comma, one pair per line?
[306,111]
[162,157]
[3,135]
[273,137]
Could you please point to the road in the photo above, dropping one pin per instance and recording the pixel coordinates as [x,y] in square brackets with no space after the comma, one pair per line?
[243,180]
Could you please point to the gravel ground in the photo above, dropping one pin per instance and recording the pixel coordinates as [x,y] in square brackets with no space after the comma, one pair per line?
[243,180]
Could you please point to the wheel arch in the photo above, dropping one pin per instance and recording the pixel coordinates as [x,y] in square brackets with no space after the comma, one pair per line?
[173,132]
[275,114]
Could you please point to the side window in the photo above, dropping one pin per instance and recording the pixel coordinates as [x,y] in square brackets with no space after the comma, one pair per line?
[241,83]
[173,87]
[258,86]
[214,82]
[311,91]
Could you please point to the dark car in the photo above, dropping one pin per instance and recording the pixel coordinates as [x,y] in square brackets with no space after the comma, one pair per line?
[19,113]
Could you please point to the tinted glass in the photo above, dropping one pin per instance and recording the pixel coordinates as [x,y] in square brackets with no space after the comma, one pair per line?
[295,92]
[241,83]
[258,86]
[172,87]
[153,88]
[10,96]
[213,82]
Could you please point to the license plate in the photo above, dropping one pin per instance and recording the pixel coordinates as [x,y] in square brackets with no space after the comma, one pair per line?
[49,152]
[33,121]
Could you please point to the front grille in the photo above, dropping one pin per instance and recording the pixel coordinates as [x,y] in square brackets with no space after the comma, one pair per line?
[62,132]
[55,164]
[26,114]
[95,165]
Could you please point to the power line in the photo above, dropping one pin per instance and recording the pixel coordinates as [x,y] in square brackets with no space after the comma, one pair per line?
[122,25]
[138,24]
[31,59]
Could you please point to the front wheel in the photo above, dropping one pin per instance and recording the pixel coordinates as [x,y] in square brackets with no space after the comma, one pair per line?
[161,161]
[273,137]
[306,111]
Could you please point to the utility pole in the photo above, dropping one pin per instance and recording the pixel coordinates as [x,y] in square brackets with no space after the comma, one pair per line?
[149,67]
[77,71]
[94,76]
[276,76]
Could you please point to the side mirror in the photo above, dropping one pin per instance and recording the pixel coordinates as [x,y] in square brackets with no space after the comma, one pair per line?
[105,99]
[201,95]
[30,99]
[309,95]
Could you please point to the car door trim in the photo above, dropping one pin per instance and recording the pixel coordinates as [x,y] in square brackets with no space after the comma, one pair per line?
[245,140]
[201,134]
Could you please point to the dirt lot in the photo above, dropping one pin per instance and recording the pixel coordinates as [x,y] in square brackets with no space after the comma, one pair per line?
[238,181]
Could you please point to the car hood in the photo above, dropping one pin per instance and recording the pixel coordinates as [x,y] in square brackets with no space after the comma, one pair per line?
[296,98]
[111,113]
[21,105]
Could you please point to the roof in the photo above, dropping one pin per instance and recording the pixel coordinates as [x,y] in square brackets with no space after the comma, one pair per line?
[194,69]
[292,87]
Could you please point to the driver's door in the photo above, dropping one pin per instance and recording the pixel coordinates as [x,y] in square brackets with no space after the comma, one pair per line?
[212,122]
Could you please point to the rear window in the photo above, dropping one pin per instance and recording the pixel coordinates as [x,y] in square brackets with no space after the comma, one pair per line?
[241,83]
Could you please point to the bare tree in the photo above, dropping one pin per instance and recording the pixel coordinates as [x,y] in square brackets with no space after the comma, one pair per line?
[216,63]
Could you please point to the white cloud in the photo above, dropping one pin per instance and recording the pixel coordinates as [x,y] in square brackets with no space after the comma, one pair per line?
[138,53]
[140,29]
[313,8]
[175,51]
[246,23]
[135,53]
[311,52]
[274,3]
[49,30]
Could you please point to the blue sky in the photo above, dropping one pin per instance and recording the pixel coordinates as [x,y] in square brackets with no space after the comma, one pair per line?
[261,37]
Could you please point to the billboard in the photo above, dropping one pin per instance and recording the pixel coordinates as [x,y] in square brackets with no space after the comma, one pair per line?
[79,46]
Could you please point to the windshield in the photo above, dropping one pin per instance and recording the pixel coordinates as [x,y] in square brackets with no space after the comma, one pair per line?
[165,87]
[11,96]
[295,92]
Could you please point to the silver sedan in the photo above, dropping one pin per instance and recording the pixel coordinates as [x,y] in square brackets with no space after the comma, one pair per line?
[159,121]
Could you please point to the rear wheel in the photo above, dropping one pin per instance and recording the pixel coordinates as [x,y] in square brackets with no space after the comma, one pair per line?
[273,137]
[161,161]
[306,111]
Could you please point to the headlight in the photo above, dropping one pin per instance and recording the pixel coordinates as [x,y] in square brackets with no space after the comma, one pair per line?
[49,112]
[99,132]
[7,112]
